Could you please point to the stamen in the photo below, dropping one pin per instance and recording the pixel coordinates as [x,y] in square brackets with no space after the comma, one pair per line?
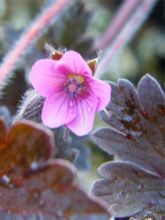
[76,86]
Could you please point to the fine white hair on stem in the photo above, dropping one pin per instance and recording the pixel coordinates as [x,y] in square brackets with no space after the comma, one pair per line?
[47,16]
[134,22]
[50,49]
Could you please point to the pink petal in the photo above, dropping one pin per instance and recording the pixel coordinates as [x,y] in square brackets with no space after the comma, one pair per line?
[58,110]
[102,91]
[62,68]
[76,63]
[83,123]
[44,78]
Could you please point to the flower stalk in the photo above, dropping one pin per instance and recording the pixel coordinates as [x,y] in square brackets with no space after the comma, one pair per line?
[122,16]
[116,39]
[30,36]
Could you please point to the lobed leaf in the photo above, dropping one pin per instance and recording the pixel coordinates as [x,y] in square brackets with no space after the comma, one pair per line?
[26,143]
[49,193]
[135,182]
[33,186]
[127,187]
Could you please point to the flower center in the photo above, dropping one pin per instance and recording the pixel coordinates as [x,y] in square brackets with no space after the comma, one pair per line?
[76,86]
[72,87]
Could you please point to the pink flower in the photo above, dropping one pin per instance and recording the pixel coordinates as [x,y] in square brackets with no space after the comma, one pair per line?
[73,95]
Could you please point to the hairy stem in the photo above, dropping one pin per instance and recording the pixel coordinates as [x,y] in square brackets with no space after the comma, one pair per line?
[125,33]
[122,16]
[30,35]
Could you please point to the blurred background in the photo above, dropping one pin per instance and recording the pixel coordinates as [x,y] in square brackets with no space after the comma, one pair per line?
[79,28]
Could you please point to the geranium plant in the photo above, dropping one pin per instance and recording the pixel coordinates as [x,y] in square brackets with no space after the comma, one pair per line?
[72,114]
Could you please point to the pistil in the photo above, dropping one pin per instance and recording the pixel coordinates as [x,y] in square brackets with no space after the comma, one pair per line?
[76,87]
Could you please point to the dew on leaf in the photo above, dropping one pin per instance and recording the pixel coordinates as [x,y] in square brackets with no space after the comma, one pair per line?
[137,142]
[34,165]
[40,184]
